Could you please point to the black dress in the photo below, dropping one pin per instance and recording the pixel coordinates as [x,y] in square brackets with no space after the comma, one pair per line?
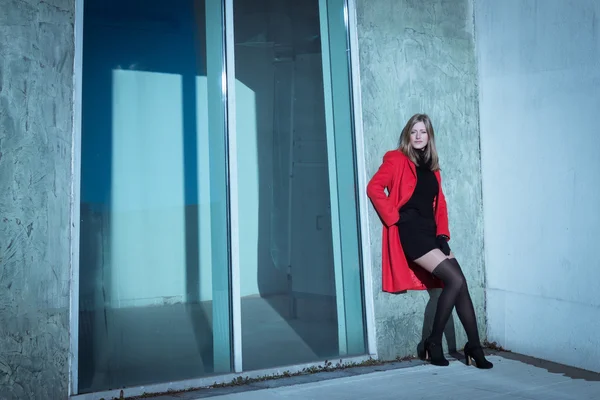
[417,227]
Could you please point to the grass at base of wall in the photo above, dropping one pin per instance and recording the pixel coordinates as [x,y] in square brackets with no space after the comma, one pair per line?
[327,366]
[494,346]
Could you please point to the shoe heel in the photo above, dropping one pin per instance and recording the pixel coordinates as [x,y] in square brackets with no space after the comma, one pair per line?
[422,354]
[476,358]
[434,354]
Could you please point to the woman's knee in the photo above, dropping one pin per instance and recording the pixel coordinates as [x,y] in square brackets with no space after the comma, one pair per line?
[458,281]
[450,273]
[460,277]
[462,281]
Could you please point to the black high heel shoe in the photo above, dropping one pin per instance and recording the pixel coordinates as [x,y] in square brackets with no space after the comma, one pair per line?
[433,352]
[475,353]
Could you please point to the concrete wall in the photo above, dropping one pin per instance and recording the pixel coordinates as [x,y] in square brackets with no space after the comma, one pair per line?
[36,89]
[540,96]
[419,56]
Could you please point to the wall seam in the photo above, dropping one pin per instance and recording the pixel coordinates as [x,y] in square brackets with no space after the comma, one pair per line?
[480,158]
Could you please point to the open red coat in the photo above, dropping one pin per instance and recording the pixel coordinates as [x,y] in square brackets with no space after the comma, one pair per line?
[398,175]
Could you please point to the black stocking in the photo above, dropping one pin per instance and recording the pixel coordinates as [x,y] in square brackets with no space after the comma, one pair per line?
[455,293]
[465,310]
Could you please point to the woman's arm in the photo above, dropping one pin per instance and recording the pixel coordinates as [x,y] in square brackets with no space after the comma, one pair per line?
[442,212]
[389,171]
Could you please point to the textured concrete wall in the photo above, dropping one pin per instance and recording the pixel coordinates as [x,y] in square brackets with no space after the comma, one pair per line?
[419,56]
[540,97]
[36,75]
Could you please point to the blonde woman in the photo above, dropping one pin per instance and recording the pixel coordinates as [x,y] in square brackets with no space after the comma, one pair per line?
[416,254]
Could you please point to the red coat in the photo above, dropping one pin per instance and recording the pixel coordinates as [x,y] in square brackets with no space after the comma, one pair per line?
[398,175]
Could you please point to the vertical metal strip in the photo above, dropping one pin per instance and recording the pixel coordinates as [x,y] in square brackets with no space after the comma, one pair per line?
[217,123]
[229,82]
[75,201]
[361,171]
[333,184]
[290,243]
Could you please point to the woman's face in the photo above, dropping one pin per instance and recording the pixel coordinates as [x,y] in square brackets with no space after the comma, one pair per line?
[418,136]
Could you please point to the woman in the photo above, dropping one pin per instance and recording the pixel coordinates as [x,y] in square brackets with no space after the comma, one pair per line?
[415,230]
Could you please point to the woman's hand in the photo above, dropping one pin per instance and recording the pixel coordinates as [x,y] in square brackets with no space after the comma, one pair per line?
[442,243]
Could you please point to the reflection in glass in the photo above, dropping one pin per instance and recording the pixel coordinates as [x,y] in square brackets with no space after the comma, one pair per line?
[154,272]
[299,256]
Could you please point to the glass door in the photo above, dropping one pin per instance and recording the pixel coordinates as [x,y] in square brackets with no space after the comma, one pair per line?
[299,261]
[154,301]
[342,175]
[218,202]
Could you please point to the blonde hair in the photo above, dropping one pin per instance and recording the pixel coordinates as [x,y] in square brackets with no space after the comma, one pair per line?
[405,147]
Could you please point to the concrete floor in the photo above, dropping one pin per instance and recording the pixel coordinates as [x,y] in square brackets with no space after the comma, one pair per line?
[136,346]
[510,380]
[513,377]
[271,338]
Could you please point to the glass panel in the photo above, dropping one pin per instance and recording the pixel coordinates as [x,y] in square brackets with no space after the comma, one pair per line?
[154,269]
[340,127]
[296,297]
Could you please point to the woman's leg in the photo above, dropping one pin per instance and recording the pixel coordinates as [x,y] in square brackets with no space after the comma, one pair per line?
[455,293]
[444,268]
[465,310]
[466,314]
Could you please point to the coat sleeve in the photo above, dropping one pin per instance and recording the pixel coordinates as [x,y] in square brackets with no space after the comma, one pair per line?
[442,213]
[384,178]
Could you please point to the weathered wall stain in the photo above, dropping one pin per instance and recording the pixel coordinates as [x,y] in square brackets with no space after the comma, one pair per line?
[419,56]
